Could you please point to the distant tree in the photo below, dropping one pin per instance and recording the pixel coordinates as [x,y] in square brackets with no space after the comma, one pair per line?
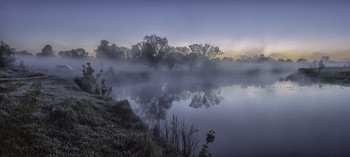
[183,50]
[281,60]
[301,60]
[104,50]
[191,59]
[74,53]
[6,54]
[227,59]
[176,55]
[148,54]
[46,51]
[173,58]
[157,44]
[321,65]
[289,61]
[135,51]
[325,58]
[117,52]
[24,53]
[154,49]
[206,51]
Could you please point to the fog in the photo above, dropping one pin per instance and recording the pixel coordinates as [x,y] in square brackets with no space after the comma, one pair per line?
[253,112]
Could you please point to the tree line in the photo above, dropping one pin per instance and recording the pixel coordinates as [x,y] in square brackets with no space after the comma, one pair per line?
[154,50]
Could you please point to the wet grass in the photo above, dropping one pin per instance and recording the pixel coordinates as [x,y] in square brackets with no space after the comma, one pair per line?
[47,118]
[15,72]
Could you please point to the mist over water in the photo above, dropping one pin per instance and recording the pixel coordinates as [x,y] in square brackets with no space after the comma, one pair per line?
[281,119]
[251,110]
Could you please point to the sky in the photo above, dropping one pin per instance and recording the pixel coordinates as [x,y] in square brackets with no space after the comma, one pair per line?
[280,29]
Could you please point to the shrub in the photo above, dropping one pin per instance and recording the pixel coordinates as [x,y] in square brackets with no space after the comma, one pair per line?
[6,54]
[88,82]
[205,149]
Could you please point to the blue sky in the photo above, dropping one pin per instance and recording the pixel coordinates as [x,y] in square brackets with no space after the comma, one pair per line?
[276,28]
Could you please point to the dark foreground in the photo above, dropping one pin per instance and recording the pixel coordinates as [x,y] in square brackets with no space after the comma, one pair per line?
[51,116]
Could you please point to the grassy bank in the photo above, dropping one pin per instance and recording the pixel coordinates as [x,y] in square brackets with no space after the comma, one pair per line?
[54,117]
[327,75]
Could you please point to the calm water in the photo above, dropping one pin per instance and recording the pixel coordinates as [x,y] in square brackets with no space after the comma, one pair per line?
[273,119]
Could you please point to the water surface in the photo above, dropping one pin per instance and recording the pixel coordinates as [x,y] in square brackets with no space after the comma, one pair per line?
[273,119]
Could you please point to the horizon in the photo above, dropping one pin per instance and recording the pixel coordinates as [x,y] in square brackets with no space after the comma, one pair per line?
[278,29]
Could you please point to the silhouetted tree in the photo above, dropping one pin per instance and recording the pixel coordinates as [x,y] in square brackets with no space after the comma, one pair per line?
[191,59]
[104,50]
[206,51]
[301,60]
[173,58]
[321,65]
[325,58]
[154,49]
[6,54]
[158,45]
[176,55]
[46,51]
[24,53]
[289,61]
[257,59]
[148,54]
[281,60]
[74,53]
[135,51]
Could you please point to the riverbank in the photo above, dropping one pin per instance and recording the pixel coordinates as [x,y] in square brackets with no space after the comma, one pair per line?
[326,75]
[52,116]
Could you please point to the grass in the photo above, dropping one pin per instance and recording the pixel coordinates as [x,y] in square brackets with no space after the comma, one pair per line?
[178,139]
[47,117]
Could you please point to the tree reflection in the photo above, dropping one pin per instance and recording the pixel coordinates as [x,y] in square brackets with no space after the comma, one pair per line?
[154,99]
[206,98]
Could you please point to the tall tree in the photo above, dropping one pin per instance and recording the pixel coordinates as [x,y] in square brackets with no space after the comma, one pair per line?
[24,53]
[6,54]
[74,53]
[46,51]
[157,44]
[135,51]
[104,50]
[206,51]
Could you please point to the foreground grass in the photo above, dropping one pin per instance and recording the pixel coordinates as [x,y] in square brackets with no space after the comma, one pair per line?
[53,117]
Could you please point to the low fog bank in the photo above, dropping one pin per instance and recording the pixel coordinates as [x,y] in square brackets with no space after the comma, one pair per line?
[125,73]
[154,60]
[152,90]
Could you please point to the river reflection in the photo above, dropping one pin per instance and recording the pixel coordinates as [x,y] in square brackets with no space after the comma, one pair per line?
[252,119]
[153,100]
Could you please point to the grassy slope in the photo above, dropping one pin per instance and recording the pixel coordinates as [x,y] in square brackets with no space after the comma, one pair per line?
[329,75]
[53,117]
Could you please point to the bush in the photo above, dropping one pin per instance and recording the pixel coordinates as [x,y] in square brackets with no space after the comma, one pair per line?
[89,82]
[6,55]
[205,149]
